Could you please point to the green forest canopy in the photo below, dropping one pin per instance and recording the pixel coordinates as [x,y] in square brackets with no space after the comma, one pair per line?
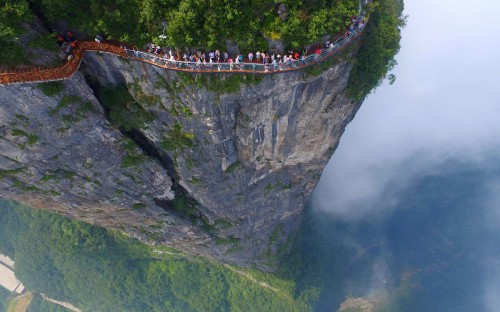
[12,13]
[4,296]
[207,23]
[379,45]
[100,270]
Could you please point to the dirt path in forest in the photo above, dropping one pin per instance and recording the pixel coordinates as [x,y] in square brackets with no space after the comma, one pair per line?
[253,280]
[67,305]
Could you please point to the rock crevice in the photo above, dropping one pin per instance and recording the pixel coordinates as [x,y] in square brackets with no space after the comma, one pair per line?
[223,167]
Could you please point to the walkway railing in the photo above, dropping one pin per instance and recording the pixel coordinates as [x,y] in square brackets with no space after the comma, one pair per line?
[242,67]
[35,75]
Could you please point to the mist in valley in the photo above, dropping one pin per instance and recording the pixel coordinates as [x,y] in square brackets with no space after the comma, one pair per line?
[411,194]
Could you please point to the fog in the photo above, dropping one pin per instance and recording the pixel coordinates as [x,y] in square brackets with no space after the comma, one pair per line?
[491,244]
[444,105]
[442,112]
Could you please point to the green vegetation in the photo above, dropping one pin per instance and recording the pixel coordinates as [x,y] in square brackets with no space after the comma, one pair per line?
[4,298]
[232,167]
[80,108]
[269,256]
[194,180]
[64,102]
[187,207]
[84,108]
[138,206]
[51,88]
[132,160]
[19,303]
[68,119]
[129,145]
[54,193]
[183,205]
[141,96]
[205,23]
[278,185]
[39,305]
[23,119]
[58,175]
[12,13]
[25,187]
[10,172]
[189,163]
[134,155]
[379,45]
[100,270]
[231,240]
[215,83]
[277,233]
[176,110]
[318,68]
[269,187]
[177,140]
[210,24]
[31,138]
[124,111]
[62,130]
[46,42]
[223,224]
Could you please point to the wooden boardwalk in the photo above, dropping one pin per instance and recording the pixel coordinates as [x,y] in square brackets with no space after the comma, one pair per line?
[38,74]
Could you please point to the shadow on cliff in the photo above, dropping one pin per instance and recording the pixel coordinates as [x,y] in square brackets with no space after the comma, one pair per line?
[123,112]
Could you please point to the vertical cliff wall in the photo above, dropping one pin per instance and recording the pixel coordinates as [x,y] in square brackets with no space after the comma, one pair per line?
[215,165]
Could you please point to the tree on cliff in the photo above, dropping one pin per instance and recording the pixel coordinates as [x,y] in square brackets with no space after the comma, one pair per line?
[101,270]
[208,24]
[379,45]
[12,12]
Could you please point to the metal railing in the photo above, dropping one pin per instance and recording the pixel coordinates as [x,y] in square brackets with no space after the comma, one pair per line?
[243,67]
[35,75]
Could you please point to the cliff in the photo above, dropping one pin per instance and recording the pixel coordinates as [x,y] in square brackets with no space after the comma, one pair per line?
[213,165]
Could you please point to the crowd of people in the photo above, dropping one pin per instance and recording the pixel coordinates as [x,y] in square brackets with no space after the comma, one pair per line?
[201,59]
[207,59]
[67,42]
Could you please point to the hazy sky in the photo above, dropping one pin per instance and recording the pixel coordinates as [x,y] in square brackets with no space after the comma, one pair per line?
[445,104]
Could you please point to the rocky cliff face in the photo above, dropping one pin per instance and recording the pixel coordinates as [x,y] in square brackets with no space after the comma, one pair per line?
[218,165]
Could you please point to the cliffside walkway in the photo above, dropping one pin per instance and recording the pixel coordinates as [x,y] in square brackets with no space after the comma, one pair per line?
[38,74]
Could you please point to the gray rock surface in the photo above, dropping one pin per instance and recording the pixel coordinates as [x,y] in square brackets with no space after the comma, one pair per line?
[255,157]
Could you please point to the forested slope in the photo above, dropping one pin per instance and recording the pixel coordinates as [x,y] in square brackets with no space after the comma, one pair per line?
[98,270]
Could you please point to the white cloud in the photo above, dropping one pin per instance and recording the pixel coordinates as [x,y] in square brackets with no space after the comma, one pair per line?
[444,105]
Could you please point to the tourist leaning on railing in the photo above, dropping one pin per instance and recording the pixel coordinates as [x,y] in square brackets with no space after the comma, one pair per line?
[260,61]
